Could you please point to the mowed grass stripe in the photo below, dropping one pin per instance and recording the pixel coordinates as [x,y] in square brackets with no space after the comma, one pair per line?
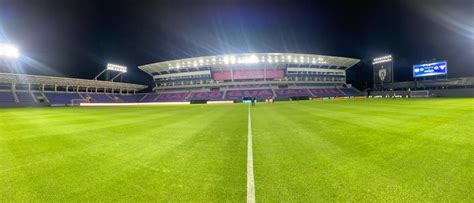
[335,151]
[170,153]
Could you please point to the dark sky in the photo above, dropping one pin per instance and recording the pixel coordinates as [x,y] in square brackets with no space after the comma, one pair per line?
[76,38]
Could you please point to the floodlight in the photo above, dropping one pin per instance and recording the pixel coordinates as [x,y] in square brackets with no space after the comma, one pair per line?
[9,51]
[382,59]
[253,59]
[118,68]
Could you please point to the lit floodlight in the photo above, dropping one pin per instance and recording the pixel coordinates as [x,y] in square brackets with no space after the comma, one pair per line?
[118,68]
[9,51]
[252,59]
[382,59]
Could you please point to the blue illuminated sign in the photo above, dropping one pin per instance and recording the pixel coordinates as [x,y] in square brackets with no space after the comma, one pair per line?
[430,69]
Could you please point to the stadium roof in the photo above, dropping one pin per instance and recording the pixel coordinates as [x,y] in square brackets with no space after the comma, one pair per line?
[63,81]
[250,59]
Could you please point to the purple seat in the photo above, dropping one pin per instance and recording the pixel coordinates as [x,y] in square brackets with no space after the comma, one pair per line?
[328,92]
[61,98]
[7,97]
[239,94]
[172,97]
[149,98]
[349,92]
[130,98]
[101,98]
[207,95]
[25,97]
[292,92]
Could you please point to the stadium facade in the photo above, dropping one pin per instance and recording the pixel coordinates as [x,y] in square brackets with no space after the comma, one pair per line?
[35,90]
[262,75]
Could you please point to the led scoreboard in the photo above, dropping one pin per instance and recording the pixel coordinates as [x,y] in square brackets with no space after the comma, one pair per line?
[430,69]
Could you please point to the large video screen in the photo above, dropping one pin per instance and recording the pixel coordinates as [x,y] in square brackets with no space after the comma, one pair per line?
[430,69]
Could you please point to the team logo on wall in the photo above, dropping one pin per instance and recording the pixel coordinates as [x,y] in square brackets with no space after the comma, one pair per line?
[382,73]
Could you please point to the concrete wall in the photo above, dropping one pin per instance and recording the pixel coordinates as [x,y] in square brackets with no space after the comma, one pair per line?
[468,92]
[17,105]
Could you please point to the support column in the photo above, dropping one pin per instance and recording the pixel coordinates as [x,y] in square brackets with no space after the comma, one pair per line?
[14,93]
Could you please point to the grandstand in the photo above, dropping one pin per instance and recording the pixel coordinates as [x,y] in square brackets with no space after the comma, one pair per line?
[452,87]
[280,76]
[32,90]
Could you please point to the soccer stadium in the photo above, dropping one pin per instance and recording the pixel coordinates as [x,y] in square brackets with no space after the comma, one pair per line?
[280,126]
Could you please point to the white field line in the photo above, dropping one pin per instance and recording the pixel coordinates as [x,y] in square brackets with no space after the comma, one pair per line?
[131,104]
[250,178]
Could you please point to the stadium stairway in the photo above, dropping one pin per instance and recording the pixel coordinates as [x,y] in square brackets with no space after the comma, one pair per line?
[311,92]
[16,97]
[342,92]
[223,95]
[25,97]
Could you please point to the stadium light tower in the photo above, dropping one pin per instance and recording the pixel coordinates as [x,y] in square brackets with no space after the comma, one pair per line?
[9,51]
[383,69]
[115,68]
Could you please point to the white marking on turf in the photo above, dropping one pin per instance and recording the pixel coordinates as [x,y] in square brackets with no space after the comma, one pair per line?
[250,179]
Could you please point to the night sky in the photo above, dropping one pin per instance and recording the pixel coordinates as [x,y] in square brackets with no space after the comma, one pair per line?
[77,38]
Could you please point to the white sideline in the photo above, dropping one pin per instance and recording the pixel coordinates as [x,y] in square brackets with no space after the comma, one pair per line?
[131,104]
[250,178]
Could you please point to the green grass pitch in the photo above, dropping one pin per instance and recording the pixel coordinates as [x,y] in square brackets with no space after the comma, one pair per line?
[405,150]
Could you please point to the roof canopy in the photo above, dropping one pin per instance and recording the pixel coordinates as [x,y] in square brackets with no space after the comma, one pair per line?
[62,81]
[251,59]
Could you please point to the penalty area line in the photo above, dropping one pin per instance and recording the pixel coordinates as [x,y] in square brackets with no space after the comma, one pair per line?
[250,178]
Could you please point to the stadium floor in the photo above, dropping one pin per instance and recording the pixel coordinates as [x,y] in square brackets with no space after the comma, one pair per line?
[338,150]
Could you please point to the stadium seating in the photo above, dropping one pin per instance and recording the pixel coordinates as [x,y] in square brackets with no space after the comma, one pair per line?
[172,97]
[349,92]
[332,92]
[149,98]
[37,94]
[25,97]
[61,98]
[100,98]
[130,98]
[239,94]
[207,95]
[247,86]
[7,97]
[292,92]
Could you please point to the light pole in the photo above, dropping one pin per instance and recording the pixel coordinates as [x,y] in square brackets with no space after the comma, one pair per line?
[383,71]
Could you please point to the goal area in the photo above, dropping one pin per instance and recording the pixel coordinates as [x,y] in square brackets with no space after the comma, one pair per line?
[419,93]
[77,102]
